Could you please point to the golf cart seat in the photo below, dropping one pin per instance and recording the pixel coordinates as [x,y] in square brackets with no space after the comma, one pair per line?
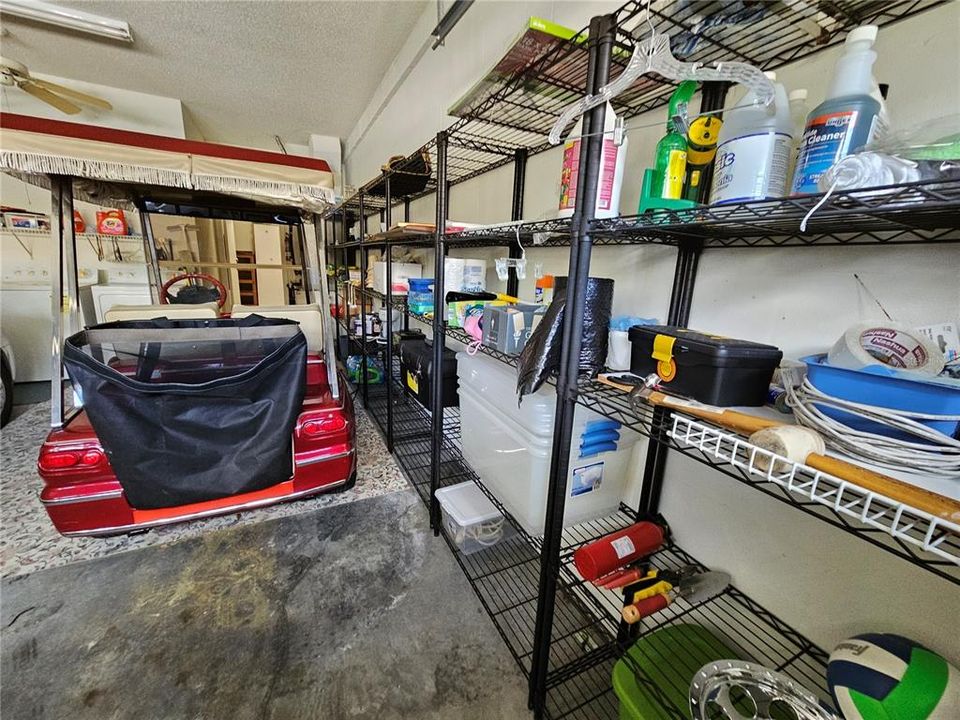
[201,311]
[310,318]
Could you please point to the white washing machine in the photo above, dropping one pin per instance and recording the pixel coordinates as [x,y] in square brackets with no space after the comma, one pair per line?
[25,316]
[125,284]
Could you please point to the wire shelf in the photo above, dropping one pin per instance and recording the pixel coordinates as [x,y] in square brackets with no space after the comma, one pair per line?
[926,212]
[525,106]
[895,527]
[749,630]
[915,213]
[905,524]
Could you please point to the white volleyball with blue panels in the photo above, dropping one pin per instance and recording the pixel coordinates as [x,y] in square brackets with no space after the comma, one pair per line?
[888,677]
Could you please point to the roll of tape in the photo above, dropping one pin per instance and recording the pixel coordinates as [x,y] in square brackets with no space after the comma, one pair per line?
[896,346]
[790,441]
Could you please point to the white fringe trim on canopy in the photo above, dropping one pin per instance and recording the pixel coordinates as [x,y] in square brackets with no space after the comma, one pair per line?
[100,169]
[38,153]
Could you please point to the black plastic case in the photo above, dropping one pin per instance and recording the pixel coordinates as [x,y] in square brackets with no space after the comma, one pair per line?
[416,367]
[708,368]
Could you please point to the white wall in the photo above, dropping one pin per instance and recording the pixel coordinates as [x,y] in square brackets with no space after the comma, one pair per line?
[134,111]
[822,580]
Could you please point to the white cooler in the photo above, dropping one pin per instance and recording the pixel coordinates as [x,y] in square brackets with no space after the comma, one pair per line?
[509,447]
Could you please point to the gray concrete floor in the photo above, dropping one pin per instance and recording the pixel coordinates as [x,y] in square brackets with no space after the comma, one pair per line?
[355,611]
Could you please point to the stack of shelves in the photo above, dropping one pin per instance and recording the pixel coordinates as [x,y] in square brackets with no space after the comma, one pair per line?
[587,637]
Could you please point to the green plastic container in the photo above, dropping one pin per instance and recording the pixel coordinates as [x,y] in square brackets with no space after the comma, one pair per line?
[670,657]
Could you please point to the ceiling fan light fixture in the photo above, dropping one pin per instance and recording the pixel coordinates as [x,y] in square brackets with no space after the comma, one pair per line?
[69,18]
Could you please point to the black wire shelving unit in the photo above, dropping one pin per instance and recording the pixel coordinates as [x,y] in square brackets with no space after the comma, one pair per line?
[565,634]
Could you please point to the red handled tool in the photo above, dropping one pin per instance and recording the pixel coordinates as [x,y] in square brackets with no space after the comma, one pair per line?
[658,588]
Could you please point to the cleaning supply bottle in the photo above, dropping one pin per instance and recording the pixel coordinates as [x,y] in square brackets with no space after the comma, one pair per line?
[612,162]
[847,119]
[798,119]
[702,138]
[754,149]
[670,163]
[543,290]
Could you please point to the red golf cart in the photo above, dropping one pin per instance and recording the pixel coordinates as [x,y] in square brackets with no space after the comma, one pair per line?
[180,410]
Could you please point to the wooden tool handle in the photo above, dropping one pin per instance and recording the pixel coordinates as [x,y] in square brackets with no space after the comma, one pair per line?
[925,500]
[640,609]
[738,421]
[937,505]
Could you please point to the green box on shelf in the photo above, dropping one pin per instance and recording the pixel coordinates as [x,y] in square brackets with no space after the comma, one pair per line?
[670,657]
[538,37]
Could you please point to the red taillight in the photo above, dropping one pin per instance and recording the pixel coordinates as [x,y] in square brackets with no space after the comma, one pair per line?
[62,459]
[92,457]
[323,426]
[59,460]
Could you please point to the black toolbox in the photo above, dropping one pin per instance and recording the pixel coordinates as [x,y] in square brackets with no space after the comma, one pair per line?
[416,368]
[712,369]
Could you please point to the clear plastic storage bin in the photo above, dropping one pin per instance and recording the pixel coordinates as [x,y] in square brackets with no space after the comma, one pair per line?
[510,447]
[471,520]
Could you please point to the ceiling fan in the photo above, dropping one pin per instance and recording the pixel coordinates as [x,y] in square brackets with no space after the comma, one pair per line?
[14,74]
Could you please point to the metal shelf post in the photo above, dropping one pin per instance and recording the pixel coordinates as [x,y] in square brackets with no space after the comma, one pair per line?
[684,279]
[516,213]
[361,231]
[438,331]
[601,40]
[388,310]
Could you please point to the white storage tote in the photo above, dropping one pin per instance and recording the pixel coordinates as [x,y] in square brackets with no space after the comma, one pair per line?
[509,447]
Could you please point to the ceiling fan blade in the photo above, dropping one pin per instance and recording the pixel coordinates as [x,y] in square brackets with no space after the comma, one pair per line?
[75,94]
[48,97]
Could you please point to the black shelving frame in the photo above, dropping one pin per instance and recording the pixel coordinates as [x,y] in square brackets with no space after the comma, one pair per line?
[564,634]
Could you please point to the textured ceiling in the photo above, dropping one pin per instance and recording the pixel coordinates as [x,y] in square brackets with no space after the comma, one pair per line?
[245,71]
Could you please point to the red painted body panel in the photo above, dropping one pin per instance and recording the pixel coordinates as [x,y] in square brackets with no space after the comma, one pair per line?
[87,499]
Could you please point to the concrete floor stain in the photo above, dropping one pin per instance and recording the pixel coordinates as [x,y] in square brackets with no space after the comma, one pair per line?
[224,585]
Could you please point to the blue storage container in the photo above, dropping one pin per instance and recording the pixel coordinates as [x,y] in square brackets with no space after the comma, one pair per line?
[420,296]
[873,388]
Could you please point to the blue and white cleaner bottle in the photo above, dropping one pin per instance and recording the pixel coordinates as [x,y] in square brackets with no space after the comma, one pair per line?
[753,150]
[847,119]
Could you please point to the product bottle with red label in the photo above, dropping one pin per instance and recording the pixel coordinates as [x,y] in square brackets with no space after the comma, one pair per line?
[849,117]
[611,169]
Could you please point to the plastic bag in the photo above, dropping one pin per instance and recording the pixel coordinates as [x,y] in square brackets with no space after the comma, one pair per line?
[929,151]
[540,357]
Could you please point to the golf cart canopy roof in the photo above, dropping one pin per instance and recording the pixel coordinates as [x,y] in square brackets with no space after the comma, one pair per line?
[123,167]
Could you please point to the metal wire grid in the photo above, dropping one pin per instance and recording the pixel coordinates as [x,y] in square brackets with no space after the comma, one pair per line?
[519,112]
[925,212]
[746,628]
[927,533]
[785,33]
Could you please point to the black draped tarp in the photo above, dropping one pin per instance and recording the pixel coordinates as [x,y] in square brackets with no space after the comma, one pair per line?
[192,410]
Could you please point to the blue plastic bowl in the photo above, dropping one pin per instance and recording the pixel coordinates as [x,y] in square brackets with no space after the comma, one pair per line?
[872,387]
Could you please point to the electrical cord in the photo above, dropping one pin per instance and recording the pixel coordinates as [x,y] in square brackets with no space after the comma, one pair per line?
[485,533]
[933,453]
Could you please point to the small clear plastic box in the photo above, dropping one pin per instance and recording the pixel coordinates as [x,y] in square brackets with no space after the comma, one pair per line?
[471,520]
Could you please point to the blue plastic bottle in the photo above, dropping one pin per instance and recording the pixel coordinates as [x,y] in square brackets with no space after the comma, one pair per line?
[847,119]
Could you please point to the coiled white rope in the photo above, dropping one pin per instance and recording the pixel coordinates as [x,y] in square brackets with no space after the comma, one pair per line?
[934,453]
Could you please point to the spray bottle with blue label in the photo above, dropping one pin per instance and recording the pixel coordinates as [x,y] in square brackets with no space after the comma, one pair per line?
[847,119]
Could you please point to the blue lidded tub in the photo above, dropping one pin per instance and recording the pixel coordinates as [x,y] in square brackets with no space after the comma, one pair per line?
[879,385]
